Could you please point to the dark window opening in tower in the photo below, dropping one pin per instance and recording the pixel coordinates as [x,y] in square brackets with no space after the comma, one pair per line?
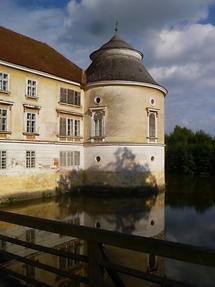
[98,124]
[152,126]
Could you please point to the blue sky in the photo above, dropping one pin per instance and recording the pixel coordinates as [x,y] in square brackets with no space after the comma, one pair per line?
[177,38]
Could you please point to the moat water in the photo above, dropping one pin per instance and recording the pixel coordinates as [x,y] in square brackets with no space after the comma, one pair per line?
[185,213]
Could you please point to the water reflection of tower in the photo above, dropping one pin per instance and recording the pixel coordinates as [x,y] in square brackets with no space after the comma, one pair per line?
[139,216]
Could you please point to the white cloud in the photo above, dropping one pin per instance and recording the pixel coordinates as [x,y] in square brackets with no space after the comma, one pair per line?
[184,62]
[180,42]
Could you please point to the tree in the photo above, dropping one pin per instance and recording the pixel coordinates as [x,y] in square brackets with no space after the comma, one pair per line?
[190,153]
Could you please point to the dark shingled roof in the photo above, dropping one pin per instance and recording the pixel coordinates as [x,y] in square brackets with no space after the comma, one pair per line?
[117,67]
[22,50]
[116,42]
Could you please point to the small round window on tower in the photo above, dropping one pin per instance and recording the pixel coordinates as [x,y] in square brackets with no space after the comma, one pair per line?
[152,101]
[97,100]
[152,158]
[98,158]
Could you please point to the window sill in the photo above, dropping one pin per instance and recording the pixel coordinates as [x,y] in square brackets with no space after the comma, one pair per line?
[30,134]
[5,92]
[69,138]
[31,98]
[97,139]
[70,105]
[152,139]
[5,132]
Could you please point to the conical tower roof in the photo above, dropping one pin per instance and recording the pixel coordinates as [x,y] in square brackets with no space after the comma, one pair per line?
[116,42]
[117,60]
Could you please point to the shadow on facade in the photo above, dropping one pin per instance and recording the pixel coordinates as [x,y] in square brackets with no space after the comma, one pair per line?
[121,173]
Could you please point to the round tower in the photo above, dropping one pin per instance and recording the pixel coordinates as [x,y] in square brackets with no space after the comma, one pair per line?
[124,117]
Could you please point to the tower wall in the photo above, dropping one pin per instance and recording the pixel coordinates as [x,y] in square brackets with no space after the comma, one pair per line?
[126,154]
[125,111]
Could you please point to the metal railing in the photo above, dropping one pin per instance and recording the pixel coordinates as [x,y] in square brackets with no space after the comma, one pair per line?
[96,257]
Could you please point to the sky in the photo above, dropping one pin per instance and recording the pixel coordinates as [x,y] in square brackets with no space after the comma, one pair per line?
[177,38]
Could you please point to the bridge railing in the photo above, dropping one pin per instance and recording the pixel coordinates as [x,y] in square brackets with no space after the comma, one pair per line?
[96,257]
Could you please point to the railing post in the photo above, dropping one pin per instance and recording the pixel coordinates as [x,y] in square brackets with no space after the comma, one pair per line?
[95,272]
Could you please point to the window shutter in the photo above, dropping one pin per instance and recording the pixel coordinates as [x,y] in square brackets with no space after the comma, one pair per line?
[77,158]
[62,127]
[69,158]
[79,99]
[63,95]
[62,158]
[70,96]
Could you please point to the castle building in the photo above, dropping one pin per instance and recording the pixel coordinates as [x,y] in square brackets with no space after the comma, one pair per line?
[55,117]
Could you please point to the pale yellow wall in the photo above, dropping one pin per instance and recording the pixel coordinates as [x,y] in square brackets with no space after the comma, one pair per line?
[49,96]
[126,112]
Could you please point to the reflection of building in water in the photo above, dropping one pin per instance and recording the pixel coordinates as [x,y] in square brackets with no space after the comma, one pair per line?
[141,215]
[55,117]
[53,240]
[149,222]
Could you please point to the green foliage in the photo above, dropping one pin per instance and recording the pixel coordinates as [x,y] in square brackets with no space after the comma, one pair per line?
[7,201]
[47,195]
[190,153]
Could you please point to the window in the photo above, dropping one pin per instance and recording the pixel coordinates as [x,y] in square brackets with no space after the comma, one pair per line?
[3,120]
[30,271]
[69,158]
[76,158]
[152,125]
[4,81]
[69,127]
[152,101]
[30,159]
[69,96]
[31,123]
[98,158]
[3,159]
[30,235]
[152,263]
[67,263]
[97,100]
[3,245]
[31,88]
[98,124]
[77,128]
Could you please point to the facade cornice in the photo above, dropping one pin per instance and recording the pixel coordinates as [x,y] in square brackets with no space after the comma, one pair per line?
[86,144]
[125,83]
[39,73]
[123,144]
[13,141]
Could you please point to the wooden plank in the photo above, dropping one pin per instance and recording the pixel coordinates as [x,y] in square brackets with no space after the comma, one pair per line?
[43,266]
[163,281]
[45,249]
[111,272]
[177,251]
[95,272]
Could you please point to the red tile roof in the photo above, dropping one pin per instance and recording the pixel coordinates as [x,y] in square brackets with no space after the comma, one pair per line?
[22,50]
